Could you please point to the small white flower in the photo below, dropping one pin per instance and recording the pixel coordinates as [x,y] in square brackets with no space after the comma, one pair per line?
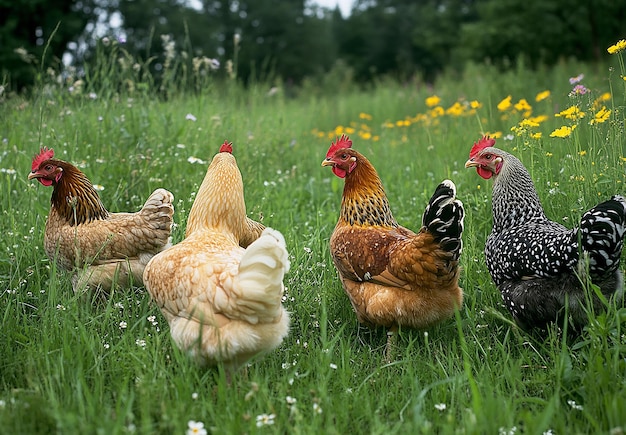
[93,95]
[440,406]
[106,345]
[307,249]
[123,325]
[141,343]
[291,400]
[193,159]
[119,305]
[180,146]
[574,405]
[98,187]
[195,428]
[194,396]
[317,409]
[190,117]
[60,307]
[333,366]
[2,404]
[265,419]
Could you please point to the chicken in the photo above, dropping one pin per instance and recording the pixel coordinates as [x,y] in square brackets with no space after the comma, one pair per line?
[221,288]
[393,276]
[537,263]
[100,248]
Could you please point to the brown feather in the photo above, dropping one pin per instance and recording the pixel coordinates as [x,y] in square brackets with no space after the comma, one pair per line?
[392,275]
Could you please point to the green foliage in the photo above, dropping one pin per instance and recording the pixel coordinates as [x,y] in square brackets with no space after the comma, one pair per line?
[34,35]
[75,363]
[297,43]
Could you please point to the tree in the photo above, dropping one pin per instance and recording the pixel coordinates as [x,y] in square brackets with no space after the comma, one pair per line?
[30,27]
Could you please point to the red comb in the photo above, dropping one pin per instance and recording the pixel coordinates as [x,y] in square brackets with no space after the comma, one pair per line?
[483,143]
[342,142]
[227,147]
[44,154]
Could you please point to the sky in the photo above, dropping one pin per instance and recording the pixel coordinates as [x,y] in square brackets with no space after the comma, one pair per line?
[344,5]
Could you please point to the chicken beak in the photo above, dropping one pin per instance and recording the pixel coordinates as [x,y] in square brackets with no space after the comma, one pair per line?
[471,164]
[327,162]
[33,175]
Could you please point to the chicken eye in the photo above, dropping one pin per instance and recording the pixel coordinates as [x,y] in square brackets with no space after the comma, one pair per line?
[344,156]
[48,167]
[488,156]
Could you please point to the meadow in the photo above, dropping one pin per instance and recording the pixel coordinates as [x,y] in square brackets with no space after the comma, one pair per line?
[70,364]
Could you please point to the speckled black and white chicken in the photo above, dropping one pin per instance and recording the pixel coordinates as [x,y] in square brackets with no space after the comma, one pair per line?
[537,264]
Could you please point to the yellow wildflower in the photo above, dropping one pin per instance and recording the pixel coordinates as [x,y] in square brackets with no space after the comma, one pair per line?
[604,97]
[617,47]
[572,112]
[548,154]
[522,105]
[582,153]
[455,110]
[564,131]
[339,130]
[437,111]
[542,96]
[495,135]
[538,119]
[365,116]
[365,135]
[601,116]
[432,101]
[536,135]
[475,104]
[504,104]
[528,123]
[389,124]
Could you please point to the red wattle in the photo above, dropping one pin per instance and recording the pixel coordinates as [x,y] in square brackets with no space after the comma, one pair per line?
[341,173]
[485,173]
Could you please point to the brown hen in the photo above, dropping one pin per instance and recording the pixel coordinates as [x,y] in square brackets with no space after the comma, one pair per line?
[102,248]
[393,276]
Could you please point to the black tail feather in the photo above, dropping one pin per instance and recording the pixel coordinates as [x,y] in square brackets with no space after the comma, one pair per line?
[443,218]
[602,231]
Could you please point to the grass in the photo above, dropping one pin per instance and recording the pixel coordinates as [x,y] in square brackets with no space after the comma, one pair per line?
[69,364]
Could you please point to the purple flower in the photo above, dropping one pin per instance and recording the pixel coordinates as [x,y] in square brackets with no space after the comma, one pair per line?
[579,90]
[577,79]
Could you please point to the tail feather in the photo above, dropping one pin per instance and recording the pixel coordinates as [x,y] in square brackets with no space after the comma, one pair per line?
[158,209]
[261,272]
[602,231]
[443,218]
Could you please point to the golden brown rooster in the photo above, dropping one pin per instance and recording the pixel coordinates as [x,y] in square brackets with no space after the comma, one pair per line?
[221,288]
[102,248]
[393,276]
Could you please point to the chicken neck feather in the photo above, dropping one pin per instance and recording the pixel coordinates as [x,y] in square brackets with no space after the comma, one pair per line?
[364,201]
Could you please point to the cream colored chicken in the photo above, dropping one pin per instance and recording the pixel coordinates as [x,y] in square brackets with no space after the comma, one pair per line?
[221,288]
